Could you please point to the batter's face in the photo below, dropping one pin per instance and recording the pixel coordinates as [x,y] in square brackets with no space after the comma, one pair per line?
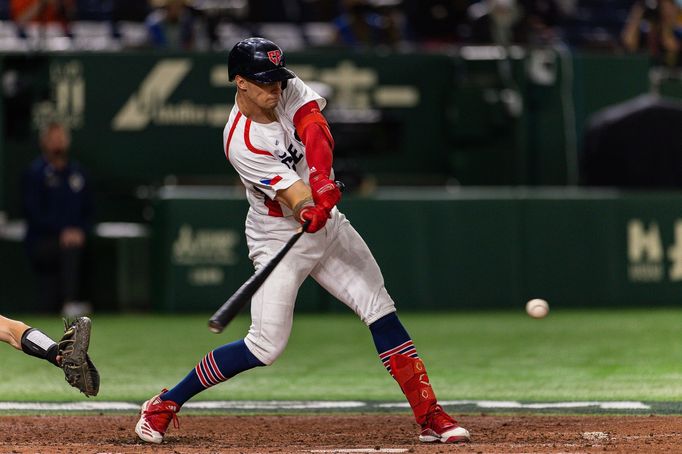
[263,95]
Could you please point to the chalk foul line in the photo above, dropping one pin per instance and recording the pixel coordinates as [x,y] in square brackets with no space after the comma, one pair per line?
[270,405]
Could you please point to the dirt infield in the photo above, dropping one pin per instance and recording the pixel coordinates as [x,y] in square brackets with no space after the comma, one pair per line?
[342,433]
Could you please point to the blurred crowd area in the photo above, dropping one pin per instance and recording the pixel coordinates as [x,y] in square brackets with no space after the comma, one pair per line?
[653,26]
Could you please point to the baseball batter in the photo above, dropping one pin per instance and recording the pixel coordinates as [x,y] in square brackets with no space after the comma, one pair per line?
[280,144]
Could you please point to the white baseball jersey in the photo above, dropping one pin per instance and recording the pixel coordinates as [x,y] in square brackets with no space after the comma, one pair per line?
[270,157]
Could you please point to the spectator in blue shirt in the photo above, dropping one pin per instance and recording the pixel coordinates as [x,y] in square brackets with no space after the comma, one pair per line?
[363,24]
[171,26]
[58,208]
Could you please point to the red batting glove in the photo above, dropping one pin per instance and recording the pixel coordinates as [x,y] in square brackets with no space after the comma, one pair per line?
[325,192]
[316,215]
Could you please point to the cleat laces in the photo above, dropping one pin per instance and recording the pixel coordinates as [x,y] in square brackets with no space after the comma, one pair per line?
[163,415]
[439,420]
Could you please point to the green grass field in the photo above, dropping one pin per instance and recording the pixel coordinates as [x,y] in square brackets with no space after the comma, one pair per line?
[571,355]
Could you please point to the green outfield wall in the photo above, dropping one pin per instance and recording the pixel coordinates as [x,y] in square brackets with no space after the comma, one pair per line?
[439,250]
[474,249]
[479,116]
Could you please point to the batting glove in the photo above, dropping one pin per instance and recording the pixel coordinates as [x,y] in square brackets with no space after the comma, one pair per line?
[325,192]
[316,215]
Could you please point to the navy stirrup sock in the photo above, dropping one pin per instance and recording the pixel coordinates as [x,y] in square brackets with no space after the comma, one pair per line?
[216,367]
[390,338]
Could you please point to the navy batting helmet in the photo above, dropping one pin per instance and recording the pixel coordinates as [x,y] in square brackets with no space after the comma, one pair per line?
[258,59]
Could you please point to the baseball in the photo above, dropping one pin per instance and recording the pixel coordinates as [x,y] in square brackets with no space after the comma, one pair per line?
[537,308]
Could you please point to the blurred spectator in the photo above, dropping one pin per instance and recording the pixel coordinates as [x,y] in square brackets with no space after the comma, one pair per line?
[651,26]
[127,22]
[173,25]
[92,10]
[129,10]
[368,23]
[515,21]
[594,25]
[42,12]
[542,19]
[497,21]
[58,208]
[216,12]
[317,10]
[438,22]
[4,10]
[275,10]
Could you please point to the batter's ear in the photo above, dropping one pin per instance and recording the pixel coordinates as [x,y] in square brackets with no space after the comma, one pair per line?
[240,82]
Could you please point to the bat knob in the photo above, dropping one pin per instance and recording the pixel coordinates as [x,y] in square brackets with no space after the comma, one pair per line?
[215,327]
[340,185]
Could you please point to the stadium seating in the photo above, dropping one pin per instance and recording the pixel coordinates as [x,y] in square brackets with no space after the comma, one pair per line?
[593,24]
[597,23]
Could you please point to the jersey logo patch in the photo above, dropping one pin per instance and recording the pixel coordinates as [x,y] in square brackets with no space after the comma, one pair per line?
[271,181]
[275,56]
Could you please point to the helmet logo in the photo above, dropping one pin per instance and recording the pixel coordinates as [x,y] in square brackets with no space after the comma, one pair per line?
[275,56]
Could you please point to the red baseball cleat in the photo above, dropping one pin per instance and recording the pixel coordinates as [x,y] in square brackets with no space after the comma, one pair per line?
[439,426]
[155,416]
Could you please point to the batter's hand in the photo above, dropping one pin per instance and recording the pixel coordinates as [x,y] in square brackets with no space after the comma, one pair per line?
[325,192]
[316,215]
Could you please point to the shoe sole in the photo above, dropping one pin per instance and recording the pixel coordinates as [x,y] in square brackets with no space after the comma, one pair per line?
[454,439]
[138,428]
[143,436]
[462,438]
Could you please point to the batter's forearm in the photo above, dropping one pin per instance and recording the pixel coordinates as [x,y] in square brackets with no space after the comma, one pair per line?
[294,194]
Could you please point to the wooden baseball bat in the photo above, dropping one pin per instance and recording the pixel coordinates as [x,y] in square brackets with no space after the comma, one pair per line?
[242,296]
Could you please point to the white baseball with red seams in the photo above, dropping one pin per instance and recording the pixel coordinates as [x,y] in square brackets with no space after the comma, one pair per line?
[537,308]
[268,158]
